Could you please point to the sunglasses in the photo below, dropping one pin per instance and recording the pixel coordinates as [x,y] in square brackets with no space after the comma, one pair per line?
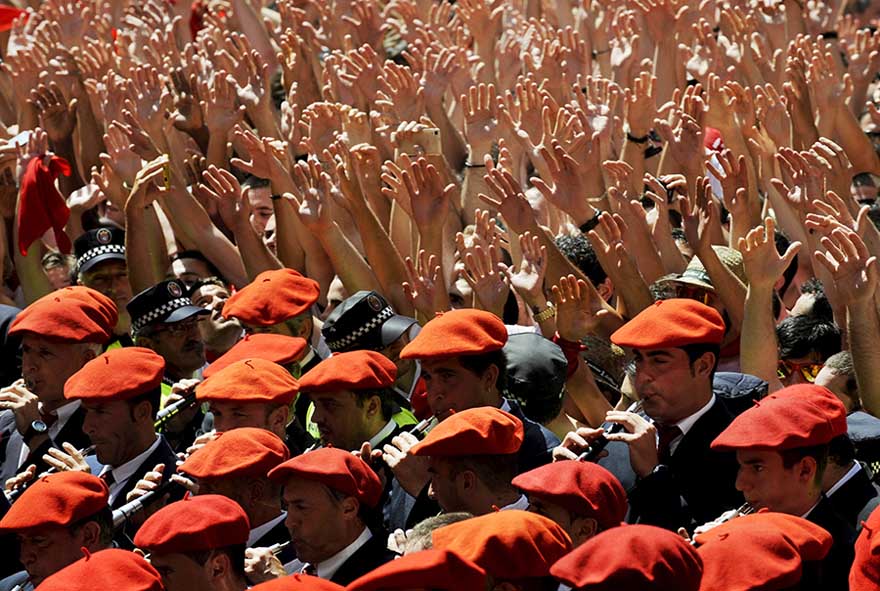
[809,370]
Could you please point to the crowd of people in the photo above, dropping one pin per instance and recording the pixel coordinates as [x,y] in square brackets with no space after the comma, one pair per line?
[484,295]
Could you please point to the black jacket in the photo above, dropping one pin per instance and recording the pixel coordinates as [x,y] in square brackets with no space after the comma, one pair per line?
[71,433]
[854,496]
[836,566]
[276,535]
[538,441]
[368,557]
[697,485]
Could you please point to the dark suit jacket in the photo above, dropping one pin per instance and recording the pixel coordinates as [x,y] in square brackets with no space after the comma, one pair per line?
[836,566]
[851,499]
[538,441]
[277,535]
[697,485]
[368,557]
[19,578]
[71,433]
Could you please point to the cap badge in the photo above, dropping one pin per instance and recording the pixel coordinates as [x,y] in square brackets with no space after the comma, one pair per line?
[174,289]
[103,236]
[374,303]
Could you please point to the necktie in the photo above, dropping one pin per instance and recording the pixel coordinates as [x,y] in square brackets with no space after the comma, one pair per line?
[309,569]
[107,477]
[666,435]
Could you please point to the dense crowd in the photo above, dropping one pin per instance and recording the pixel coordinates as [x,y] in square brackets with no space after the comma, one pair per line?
[415,294]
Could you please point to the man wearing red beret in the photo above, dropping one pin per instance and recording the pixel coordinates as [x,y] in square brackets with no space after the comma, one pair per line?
[59,334]
[582,497]
[197,543]
[463,364]
[472,459]
[353,398]
[53,520]
[438,570]
[120,393]
[681,481]
[235,465]
[108,569]
[332,499]
[781,445]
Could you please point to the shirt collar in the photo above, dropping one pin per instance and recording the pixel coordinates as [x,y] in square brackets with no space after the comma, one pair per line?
[122,473]
[521,504]
[64,413]
[387,430]
[261,530]
[327,568]
[844,479]
[687,423]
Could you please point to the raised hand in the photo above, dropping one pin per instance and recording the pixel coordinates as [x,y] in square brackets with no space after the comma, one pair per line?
[577,314]
[763,264]
[528,280]
[268,160]
[187,115]
[429,198]
[57,116]
[402,95]
[486,275]
[479,120]
[425,287]
[850,264]
[233,207]
[218,104]
[312,196]
[569,191]
[151,182]
[508,199]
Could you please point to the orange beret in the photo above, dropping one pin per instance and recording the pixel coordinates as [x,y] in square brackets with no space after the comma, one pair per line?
[272,297]
[245,452]
[671,323]
[484,430]
[115,569]
[277,348]
[74,314]
[354,370]
[298,583]
[865,573]
[203,522]
[458,332]
[774,547]
[508,544]
[582,488]
[57,500]
[632,557]
[336,469]
[803,415]
[250,380]
[429,569]
[118,374]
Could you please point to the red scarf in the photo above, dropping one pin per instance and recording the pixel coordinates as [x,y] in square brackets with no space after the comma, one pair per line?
[41,206]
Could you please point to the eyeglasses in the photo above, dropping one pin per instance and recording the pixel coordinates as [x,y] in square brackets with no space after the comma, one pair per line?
[809,370]
[178,328]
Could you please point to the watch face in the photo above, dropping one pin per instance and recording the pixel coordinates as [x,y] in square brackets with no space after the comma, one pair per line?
[39,426]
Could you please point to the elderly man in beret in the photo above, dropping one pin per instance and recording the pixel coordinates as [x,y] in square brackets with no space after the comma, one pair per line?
[53,520]
[680,480]
[781,445]
[59,333]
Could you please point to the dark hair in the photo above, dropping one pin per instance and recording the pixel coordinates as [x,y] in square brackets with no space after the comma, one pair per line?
[104,519]
[790,457]
[254,182]
[154,397]
[863,179]
[798,336]
[371,516]
[386,399]
[874,214]
[782,243]
[478,364]
[841,451]
[580,252]
[697,350]
[198,256]
[495,471]
[200,283]
[821,306]
[235,554]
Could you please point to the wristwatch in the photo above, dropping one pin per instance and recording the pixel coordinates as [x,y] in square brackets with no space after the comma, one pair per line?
[545,314]
[590,223]
[37,427]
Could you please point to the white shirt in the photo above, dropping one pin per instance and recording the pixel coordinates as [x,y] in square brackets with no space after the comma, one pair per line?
[382,434]
[327,568]
[521,504]
[261,530]
[63,413]
[687,423]
[844,479]
[122,473]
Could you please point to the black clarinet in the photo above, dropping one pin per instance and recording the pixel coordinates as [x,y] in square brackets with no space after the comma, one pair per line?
[123,513]
[172,410]
[592,454]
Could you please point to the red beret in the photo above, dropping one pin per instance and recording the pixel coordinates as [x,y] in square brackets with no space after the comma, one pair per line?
[430,569]
[298,583]
[115,569]
[75,314]
[57,500]
[484,430]
[118,374]
[245,452]
[632,557]
[803,415]
[336,469]
[272,297]
[203,522]
[250,380]
[508,544]
[459,332]
[277,348]
[582,488]
[354,370]
[773,545]
[865,573]
[671,323]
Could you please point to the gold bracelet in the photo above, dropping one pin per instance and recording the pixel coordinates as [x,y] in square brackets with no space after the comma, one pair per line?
[545,314]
